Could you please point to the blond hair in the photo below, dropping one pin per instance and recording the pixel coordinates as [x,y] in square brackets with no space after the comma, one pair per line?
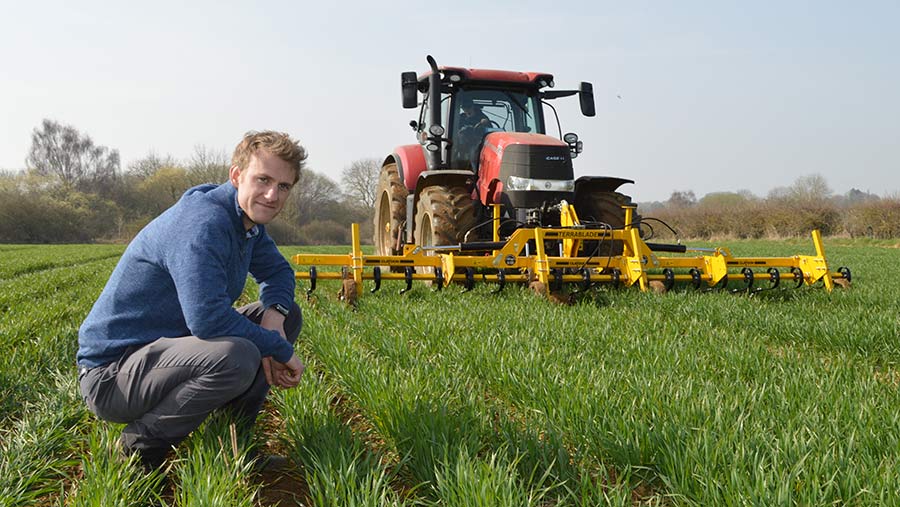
[278,144]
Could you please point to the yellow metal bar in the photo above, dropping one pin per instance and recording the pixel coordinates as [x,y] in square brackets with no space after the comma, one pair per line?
[819,265]
[322,259]
[568,217]
[540,261]
[357,255]
[449,268]
[639,253]
[496,223]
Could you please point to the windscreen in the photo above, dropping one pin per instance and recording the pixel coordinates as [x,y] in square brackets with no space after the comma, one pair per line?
[510,111]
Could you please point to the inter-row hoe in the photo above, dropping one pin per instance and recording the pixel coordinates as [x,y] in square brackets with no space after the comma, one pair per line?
[486,195]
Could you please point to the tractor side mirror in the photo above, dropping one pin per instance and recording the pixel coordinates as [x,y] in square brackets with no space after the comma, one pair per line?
[586,97]
[409,85]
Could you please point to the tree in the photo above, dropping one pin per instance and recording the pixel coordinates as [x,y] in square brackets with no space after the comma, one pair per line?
[67,154]
[145,167]
[208,166]
[723,200]
[312,196]
[855,196]
[810,188]
[360,180]
[805,188]
[162,189]
[682,199]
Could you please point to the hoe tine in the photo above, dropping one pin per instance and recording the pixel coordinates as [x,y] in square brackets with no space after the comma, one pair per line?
[774,277]
[439,278]
[748,281]
[312,282]
[409,273]
[615,277]
[557,282]
[376,276]
[695,278]
[585,279]
[585,282]
[845,271]
[501,281]
[845,281]
[470,280]
[798,277]
[670,279]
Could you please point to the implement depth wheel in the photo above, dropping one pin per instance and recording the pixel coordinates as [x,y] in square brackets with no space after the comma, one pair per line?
[390,211]
[443,216]
[603,207]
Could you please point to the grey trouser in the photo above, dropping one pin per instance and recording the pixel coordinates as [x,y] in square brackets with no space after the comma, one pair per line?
[165,389]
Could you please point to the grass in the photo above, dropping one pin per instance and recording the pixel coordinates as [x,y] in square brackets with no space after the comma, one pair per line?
[108,480]
[784,398]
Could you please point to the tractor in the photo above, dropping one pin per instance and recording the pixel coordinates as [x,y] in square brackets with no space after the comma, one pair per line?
[486,195]
[483,141]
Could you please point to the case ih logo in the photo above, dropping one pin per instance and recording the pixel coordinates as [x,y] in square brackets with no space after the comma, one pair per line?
[555,158]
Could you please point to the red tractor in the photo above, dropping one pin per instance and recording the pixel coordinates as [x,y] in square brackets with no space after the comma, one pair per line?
[482,142]
[486,191]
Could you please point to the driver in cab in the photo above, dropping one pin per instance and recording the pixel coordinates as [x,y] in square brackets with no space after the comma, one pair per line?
[472,125]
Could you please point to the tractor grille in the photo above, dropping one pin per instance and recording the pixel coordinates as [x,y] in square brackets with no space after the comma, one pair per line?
[540,163]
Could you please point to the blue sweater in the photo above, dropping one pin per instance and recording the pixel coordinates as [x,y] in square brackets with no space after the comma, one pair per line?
[181,275]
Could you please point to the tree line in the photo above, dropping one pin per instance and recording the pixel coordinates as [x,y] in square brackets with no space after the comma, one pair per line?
[790,211]
[74,190]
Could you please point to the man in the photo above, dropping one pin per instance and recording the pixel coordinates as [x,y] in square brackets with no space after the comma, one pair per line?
[471,127]
[472,115]
[163,346]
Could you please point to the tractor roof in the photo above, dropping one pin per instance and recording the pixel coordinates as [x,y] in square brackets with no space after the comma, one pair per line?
[488,76]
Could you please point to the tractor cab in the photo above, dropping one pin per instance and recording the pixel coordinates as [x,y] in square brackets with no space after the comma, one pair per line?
[461,106]
[478,112]
[483,148]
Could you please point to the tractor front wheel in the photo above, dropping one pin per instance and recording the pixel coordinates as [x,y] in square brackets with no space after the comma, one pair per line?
[443,216]
[390,211]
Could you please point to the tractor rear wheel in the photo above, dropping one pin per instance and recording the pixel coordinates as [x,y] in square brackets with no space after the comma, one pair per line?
[443,216]
[390,211]
[606,208]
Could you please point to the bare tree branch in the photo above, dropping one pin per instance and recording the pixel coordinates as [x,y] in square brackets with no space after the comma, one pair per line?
[63,152]
[360,180]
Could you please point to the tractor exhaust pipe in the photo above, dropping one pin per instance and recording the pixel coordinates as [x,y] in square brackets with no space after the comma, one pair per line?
[435,146]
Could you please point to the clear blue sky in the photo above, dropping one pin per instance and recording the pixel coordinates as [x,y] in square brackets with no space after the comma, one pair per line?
[702,96]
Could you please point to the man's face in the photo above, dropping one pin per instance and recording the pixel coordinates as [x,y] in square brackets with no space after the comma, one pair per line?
[263,187]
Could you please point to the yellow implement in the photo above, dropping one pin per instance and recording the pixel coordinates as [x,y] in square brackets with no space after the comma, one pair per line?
[545,257]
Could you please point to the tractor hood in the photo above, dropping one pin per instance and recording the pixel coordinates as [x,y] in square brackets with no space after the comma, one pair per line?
[531,169]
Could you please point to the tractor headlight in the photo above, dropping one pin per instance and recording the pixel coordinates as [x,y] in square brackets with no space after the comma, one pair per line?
[515,183]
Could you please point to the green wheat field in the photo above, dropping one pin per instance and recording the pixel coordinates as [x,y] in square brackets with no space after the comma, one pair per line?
[786,398]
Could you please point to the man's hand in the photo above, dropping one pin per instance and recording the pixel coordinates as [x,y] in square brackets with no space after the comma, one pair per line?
[284,375]
[273,321]
[279,374]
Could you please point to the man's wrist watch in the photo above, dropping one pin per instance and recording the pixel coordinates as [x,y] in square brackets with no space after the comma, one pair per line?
[280,308]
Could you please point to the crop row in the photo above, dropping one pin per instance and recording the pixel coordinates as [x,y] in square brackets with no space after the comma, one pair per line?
[19,260]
